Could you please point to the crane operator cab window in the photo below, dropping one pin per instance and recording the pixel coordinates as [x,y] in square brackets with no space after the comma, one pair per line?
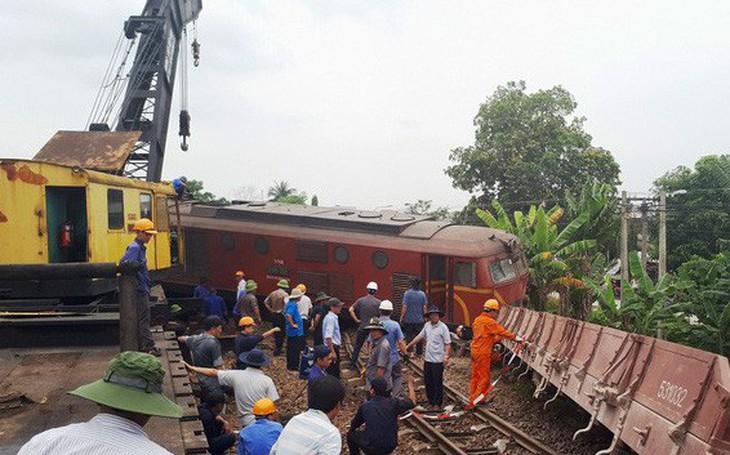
[67,224]
[145,206]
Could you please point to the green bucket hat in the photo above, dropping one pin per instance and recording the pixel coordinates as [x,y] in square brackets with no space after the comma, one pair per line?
[283,283]
[251,285]
[175,308]
[133,383]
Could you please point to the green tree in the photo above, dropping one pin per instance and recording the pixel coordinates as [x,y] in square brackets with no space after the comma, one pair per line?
[194,190]
[281,191]
[529,147]
[698,214]
[426,208]
[599,201]
[549,250]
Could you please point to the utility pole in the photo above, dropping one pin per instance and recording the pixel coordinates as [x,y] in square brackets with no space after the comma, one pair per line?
[662,234]
[644,235]
[624,237]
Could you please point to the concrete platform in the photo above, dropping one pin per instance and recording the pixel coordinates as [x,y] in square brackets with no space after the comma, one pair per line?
[34,383]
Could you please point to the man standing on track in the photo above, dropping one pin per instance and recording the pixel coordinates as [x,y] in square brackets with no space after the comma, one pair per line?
[378,364]
[413,310]
[275,304]
[487,331]
[438,352]
[364,309]
[397,344]
[248,305]
[332,336]
[305,310]
[294,331]
[137,252]
[319,311]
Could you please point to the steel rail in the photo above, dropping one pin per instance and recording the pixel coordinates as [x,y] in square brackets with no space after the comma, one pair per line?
[523,439]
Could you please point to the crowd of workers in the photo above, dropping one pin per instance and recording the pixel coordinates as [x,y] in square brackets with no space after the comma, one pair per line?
[131,389]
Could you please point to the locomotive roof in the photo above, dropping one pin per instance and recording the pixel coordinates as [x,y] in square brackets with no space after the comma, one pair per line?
[350,225]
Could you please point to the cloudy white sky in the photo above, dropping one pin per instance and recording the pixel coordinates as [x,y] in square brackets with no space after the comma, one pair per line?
[360,101]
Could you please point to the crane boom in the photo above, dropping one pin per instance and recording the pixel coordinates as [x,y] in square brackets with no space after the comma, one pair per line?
[148,98]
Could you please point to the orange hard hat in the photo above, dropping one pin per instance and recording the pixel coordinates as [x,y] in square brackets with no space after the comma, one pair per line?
[302,288]
[144,225]
[245,321]
[240,273]
[264,407]
[491,305]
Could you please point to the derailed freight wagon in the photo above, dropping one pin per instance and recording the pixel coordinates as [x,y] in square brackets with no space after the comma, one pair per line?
[52,213]
[657,397]
[339,250]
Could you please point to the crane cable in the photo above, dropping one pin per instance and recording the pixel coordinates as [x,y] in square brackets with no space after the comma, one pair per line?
[184,114]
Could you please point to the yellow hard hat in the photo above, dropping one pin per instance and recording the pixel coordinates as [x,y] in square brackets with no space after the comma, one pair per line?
[264,407]
[491,305]
[240,273]
[246,320]
[302,288]
[144,225]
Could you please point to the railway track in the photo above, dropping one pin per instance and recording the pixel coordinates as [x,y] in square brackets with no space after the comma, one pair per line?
[440,435]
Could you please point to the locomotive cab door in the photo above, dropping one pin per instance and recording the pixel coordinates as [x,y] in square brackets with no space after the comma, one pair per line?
[435,284]
[67,224]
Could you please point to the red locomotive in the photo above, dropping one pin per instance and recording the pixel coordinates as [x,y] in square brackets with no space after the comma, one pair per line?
[339,250]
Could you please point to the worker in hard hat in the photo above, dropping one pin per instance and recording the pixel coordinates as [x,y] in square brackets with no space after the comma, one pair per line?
[144,229]
[487,331]
[261,435]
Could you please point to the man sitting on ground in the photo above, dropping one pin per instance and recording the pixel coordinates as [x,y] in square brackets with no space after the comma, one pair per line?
[217,429]
[258,438]
[129,394]
[322,361]
[312,431]
[249,385]
[380,416]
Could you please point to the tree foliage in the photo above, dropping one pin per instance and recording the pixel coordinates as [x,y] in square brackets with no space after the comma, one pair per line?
[550,251]
[281,191]
[698,215]
[194,190]
[426,208]
[529,147]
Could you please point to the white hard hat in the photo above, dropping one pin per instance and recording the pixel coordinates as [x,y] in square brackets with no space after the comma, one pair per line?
[372,285]
[386,305]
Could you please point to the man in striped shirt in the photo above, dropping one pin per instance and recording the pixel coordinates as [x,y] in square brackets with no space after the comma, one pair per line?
[312,432]
[129,394]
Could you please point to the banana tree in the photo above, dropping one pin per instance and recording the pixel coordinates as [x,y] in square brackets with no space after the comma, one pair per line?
[548,249]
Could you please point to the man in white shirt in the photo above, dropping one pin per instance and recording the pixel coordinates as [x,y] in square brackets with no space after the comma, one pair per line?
[129,394]
[438,351]
[332,336]
[304,304]
[249,385]
[312,432]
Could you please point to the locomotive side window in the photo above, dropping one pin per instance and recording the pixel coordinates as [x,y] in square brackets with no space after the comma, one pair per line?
[115,209]
[466,274]
[342,254]
[501,271]
[380,259]
[145,206]
[261,245]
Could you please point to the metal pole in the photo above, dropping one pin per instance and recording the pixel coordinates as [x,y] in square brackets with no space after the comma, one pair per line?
[644,235]
[662,234]
[624,237]
[128,339]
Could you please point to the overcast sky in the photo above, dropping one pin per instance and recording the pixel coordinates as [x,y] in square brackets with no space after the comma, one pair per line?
[360,102]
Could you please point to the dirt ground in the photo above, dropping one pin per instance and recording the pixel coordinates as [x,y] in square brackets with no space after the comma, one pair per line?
[512,401]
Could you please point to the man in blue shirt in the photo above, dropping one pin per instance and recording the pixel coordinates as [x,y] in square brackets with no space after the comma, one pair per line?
[137,252]
[322,361]
[414,309]
[380,416]
[215,305]
[202,290]
[396,339]
[294,331]
[260,436]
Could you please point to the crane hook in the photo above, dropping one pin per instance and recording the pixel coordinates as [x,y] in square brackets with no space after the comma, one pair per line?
[196,52]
